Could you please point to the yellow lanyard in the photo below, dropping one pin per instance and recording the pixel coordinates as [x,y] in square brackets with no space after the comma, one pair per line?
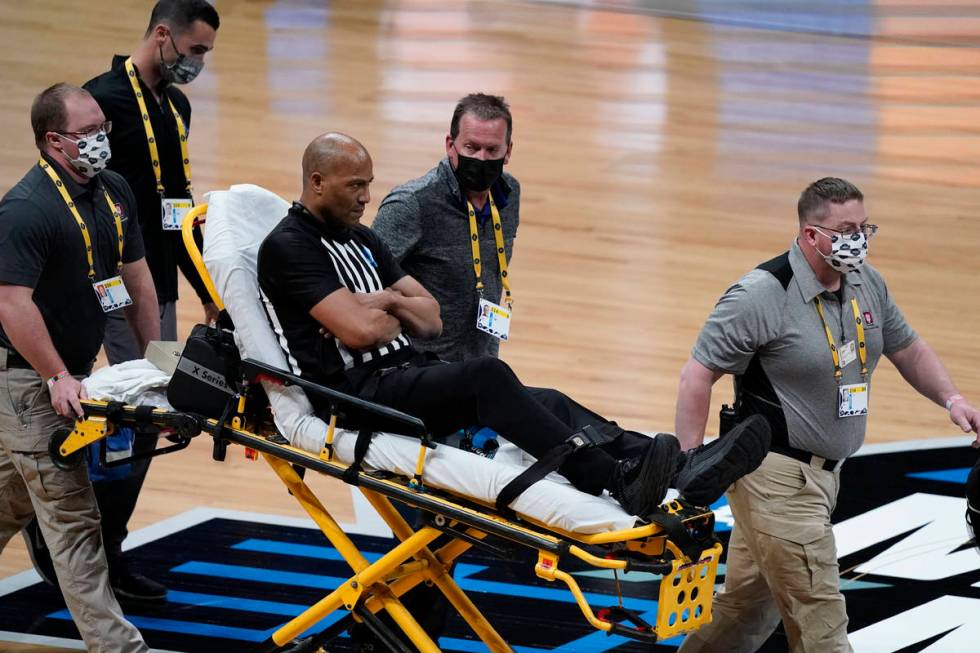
[81,223]
[498,235]
[862,346]
[151,139]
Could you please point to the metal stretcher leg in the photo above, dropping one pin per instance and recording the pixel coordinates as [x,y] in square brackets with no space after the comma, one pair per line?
[437,573]
[366,574]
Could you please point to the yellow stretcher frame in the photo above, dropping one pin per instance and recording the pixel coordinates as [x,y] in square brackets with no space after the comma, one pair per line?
[688,572]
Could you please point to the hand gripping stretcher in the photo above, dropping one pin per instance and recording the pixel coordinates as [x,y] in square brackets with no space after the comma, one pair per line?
[455,490]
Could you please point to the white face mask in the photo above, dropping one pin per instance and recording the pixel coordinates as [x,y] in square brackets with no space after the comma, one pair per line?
[93,153]
[847,252]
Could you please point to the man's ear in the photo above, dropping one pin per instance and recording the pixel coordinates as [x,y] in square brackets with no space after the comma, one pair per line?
[810,235]
[510,148]
[51,139]
[316,182]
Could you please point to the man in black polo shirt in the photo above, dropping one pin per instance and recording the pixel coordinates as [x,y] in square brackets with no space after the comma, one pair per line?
[346,314]
[180,34]
[150,119]
[70,252]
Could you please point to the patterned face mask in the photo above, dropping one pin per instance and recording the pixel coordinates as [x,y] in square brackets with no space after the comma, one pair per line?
[181,71]
[847,251]
[93,153]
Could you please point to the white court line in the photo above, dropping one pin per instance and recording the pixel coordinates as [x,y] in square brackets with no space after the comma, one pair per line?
[60,642]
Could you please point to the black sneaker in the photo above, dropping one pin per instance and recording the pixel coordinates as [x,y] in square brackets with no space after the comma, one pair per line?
[127,585]
[38,550]
[708,470]
[640,484]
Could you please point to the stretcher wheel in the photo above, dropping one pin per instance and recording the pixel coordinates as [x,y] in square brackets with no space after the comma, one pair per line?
[66,463]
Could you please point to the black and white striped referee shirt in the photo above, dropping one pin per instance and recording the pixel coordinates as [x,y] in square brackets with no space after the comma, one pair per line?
[302,261]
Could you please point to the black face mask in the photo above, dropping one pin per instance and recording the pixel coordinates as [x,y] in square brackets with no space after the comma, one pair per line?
[477,175]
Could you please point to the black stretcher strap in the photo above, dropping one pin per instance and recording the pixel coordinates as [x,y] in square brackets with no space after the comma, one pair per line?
[586,438]
[360,450]
[678,534]
[143,414]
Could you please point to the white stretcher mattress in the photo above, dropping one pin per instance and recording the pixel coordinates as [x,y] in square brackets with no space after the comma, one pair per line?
[237,221]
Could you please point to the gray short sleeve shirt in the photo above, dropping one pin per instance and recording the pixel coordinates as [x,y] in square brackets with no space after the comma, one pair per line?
[773,339]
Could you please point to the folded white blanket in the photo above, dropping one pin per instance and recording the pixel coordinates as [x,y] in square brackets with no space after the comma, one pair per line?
[132,382]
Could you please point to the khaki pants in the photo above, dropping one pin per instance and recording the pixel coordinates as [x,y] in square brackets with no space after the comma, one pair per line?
[782,564]
[65,506]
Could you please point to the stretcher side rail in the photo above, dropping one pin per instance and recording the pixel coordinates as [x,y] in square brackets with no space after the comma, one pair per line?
[378,417]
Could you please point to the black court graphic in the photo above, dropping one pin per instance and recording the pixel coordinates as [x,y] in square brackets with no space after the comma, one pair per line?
[909,575]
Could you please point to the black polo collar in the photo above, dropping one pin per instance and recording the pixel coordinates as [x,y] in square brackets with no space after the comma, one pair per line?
[329,230]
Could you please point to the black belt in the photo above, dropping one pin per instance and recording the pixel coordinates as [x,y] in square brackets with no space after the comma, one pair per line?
[16,360]
[804,456]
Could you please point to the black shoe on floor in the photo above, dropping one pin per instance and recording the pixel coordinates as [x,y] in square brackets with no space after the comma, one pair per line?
[38,550]
[640,484]
[127,585]
[708,470]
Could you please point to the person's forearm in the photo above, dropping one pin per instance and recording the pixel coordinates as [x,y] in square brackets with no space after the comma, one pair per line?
[693,403]
[419,315]
[691,417]
[144,318]
[24,326]
[921,367]
[143,314]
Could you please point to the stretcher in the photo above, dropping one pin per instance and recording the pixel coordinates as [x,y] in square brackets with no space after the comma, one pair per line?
[677,542]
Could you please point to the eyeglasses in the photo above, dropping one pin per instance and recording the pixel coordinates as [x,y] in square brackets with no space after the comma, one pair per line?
[869,230]
[104,127]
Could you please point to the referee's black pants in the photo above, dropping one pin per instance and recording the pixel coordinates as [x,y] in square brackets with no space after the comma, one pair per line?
[486,392]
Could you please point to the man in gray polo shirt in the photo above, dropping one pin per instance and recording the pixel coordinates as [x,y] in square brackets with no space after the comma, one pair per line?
[802,334]
[426,223]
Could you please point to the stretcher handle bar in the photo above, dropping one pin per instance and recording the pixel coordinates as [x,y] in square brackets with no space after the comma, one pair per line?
[489,524]
[645,635]
[198,216]
[408,425]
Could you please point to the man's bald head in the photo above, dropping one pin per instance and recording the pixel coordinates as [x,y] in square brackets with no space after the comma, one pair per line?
[330,152]
[337,173]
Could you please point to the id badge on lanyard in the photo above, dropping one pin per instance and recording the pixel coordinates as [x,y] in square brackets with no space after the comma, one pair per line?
[490,317]
[112,293]
[852,399]
[493,319]
[173,212]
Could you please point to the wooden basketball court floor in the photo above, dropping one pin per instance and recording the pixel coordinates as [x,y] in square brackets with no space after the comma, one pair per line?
[661,147]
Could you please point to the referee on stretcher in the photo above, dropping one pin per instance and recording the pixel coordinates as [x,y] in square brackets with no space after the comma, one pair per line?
[345,311]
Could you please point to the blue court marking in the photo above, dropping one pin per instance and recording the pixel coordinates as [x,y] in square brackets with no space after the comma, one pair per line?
[259,575]
[188,628]
[239,572]
[720,526]
[216,630]
[463,571]
[593,643]
[847,585]
[319,552]
[946,475]
[235,603]
[477,646]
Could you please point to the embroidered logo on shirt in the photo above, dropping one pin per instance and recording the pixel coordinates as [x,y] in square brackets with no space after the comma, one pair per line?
[869,319]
